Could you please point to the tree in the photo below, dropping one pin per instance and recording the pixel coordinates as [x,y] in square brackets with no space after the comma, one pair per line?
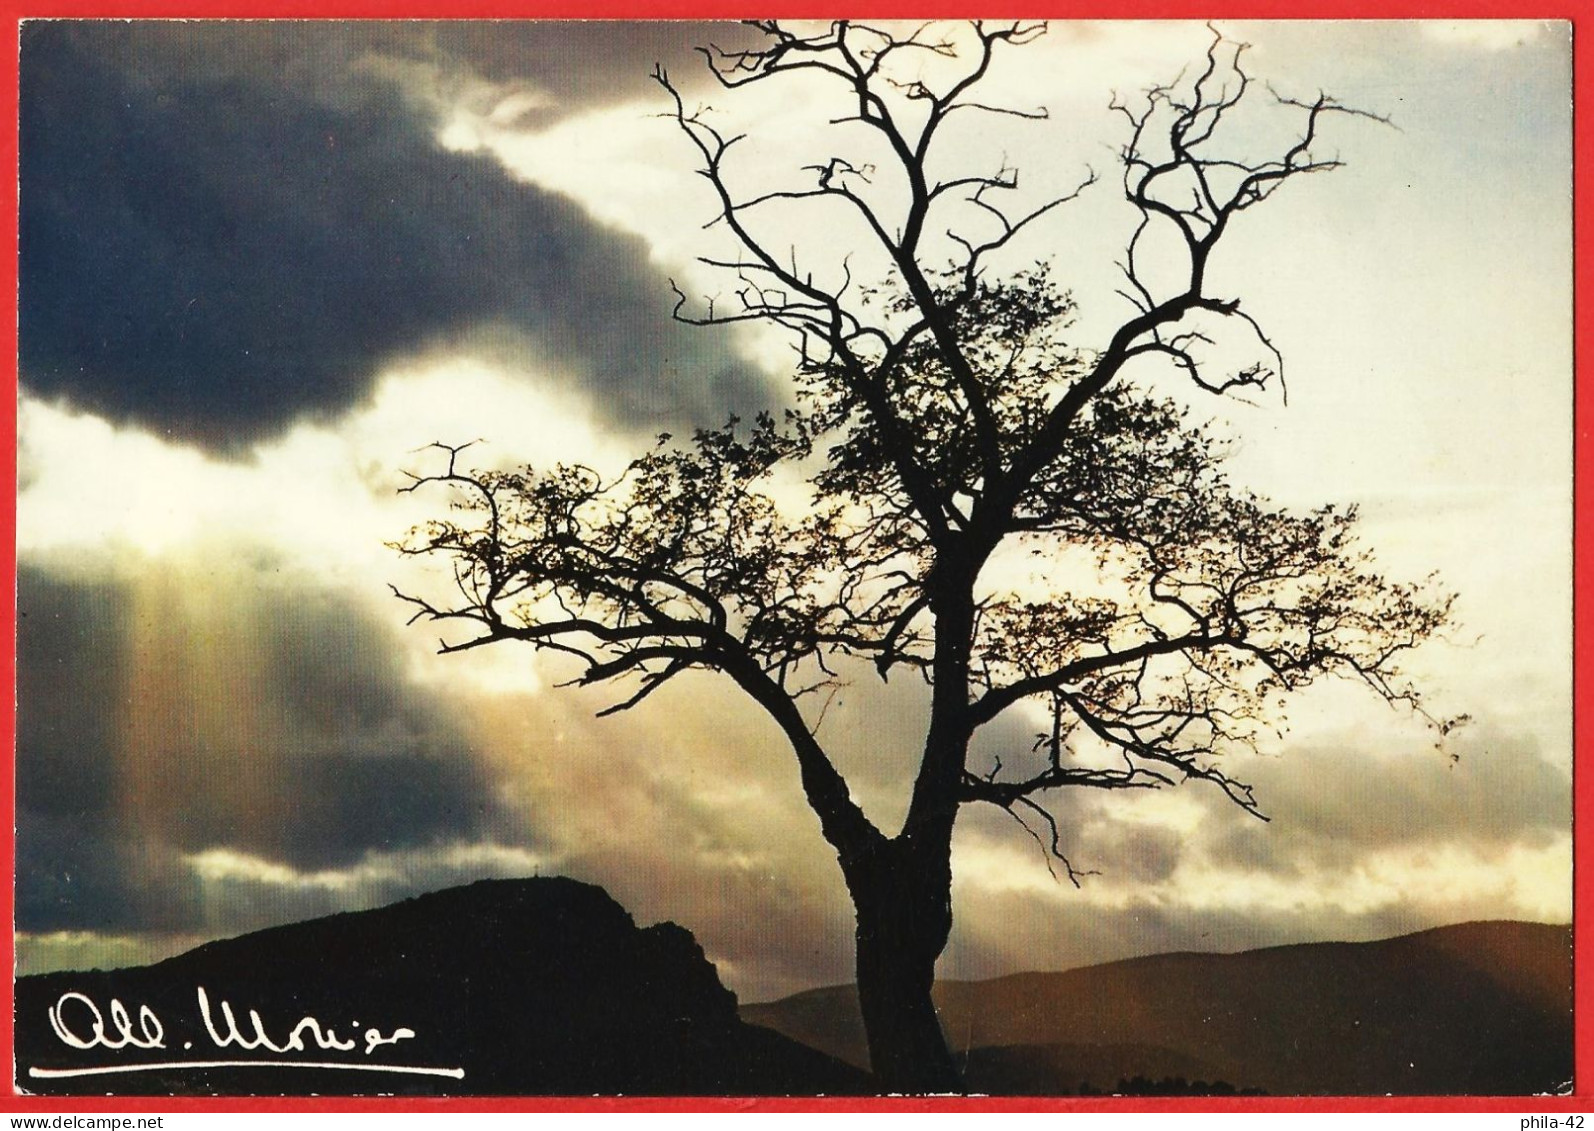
[945,424]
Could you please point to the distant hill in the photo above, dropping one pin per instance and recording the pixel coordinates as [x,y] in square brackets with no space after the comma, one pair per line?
[1479,1008]
[542,986]
[547,986]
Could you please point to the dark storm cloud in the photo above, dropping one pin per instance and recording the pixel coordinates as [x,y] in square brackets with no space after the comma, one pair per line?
[341,756]
[83,871]
[69,681]
[575,65]
[226,228]
[580,63]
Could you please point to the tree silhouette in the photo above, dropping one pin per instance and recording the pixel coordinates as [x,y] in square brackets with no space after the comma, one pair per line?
[944,422]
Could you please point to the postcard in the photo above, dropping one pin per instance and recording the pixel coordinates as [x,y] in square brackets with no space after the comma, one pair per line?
[811,559]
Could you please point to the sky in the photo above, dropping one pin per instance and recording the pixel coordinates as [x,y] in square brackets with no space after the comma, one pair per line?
[263,266]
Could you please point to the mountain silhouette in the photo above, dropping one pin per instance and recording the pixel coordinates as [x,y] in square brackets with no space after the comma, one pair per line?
[547,986]
[538,986]
[1478,1008]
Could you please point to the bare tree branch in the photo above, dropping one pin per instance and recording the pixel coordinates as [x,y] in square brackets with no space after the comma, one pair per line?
[947,423]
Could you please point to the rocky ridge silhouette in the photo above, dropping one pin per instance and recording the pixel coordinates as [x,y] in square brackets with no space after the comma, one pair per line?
[536,986]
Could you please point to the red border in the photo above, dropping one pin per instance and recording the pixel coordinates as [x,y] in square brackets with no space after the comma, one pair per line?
[781,9]
[12,11]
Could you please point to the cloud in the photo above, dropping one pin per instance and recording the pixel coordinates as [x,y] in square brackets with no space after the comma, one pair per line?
[1365,842]
[225,230]
[580,64]
[151,730]
[571,65]
[1334,804]
[204,750]
[82,870]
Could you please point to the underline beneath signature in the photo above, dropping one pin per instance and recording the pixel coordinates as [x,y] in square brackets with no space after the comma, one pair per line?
[108,1069]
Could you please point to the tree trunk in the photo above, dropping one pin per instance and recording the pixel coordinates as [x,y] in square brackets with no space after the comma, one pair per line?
[904,909]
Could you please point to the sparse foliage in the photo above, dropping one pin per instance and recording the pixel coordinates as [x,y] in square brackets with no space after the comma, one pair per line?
[943,418]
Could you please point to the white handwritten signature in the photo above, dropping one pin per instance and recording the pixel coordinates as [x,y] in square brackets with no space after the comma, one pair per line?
[79,1023]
